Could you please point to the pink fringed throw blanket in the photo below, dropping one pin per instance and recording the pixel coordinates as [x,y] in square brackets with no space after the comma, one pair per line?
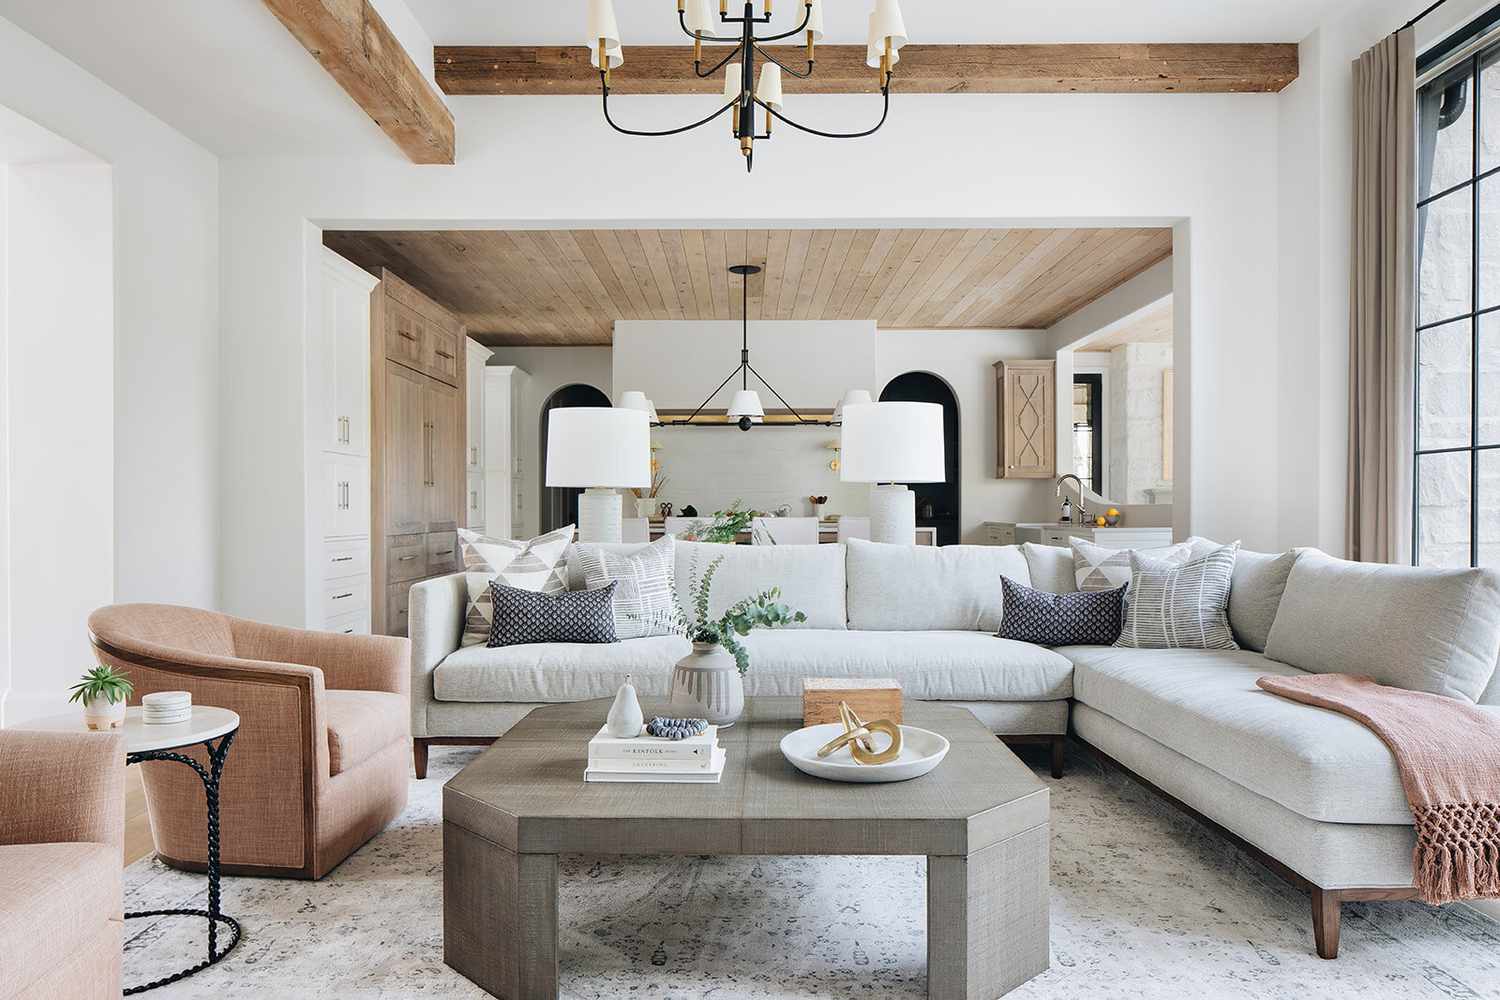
[1448,753]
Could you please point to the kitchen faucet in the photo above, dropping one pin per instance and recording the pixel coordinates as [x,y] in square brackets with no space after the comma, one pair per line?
[1083,512]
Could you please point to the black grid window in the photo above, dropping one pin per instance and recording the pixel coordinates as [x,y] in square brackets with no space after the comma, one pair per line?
[1456,499]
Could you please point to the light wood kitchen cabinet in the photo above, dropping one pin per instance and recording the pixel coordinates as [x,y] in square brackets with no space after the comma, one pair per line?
[419,436]
[1026,429]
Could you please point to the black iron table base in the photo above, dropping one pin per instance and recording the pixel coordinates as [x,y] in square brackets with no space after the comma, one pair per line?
[210,776]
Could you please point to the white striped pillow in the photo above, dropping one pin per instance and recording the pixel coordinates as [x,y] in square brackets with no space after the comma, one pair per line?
[1180,607]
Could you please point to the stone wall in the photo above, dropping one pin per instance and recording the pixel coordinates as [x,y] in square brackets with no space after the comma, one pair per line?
[1446,353]
[1135,420]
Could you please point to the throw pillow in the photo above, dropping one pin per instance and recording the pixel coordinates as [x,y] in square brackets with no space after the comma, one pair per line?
[528,616]
[1180,606]
[1097,567]
[1072,619]
[535,565]
[643,582]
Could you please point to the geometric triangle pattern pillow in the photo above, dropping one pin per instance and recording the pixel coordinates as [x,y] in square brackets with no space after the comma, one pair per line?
[1097,567]
[536,565]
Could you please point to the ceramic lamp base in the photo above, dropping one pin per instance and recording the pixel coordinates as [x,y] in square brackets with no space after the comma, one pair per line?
[599,515]
[893,515]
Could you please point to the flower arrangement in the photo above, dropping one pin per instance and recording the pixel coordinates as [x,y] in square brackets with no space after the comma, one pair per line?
[725,527]
[764,610]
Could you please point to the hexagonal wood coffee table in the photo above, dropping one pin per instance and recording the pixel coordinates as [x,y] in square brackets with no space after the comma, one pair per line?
[981,819]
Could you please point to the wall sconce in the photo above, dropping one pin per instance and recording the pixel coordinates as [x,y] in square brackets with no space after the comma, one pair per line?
[834,464]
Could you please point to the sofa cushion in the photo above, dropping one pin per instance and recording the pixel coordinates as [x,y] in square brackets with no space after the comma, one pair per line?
[575,560]
[363,723]
[644,585]
[919,587]
[1051,568]
[811,577]
[1102,567]
[1049,619]
[1180,606]
[557,671]
[1432,630]
[54,900]
[1255,595]
[1204,704]
[946,666]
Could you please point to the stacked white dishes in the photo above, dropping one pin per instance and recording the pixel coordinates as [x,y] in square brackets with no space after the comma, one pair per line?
[165,708]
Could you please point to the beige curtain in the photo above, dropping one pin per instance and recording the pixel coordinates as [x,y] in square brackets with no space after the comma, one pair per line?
[1382,306]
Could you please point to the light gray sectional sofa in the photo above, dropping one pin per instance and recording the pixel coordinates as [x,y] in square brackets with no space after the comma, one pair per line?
[1313,794]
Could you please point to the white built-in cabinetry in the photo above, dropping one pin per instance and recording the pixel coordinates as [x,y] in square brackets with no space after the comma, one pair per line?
[504,496]
[474,456]
[338,448]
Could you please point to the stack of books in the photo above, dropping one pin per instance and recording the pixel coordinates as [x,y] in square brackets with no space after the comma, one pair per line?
[165,708]
[697,759]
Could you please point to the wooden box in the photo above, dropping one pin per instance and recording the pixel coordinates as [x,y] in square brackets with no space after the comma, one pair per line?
[871,699]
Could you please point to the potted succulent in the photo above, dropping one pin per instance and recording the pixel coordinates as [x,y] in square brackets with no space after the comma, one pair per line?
[709,681]
[103,692]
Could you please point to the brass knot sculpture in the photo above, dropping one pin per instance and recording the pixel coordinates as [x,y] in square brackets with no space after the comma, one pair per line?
[858,737]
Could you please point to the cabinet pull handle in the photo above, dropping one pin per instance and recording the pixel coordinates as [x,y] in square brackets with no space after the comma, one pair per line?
[401,613]
[406,558]
[343,558]
[348,631]
[403,334]
[445,552]
[340,597]
[444,354]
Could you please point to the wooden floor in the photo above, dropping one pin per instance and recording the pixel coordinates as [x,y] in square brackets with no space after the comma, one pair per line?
[137,824]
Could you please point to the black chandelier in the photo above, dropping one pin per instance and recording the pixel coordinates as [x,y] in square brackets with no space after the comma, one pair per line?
[742,92]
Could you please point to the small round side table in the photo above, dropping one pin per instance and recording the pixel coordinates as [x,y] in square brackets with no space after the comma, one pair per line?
[213,729]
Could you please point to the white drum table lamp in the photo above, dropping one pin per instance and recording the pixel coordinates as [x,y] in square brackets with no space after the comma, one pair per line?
[887,445]
[602,450]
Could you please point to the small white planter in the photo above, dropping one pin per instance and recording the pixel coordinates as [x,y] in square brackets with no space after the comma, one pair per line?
[646,507]
[101,713]
[706,684]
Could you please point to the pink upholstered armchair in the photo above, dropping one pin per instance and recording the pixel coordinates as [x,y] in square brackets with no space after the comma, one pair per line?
[62,827]
[323,754]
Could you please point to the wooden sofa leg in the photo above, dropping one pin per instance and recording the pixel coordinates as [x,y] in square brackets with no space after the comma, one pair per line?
[419,756]
[1326,914]
[1058,742]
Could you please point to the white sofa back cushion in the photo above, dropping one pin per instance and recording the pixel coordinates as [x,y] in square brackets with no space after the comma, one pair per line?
[923,588]
[1421,629]
[1051,568]
[1259,583]
[811,577]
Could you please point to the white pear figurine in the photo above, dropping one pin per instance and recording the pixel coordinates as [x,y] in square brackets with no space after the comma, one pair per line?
[625,720]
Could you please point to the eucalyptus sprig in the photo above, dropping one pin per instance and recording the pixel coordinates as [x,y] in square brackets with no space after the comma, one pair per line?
[102,682]
[764,610]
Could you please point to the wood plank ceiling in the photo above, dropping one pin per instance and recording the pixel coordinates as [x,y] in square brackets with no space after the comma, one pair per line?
[568,287]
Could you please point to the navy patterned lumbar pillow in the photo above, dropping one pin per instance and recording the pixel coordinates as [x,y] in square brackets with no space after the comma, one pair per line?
[1085,618]
[524,616]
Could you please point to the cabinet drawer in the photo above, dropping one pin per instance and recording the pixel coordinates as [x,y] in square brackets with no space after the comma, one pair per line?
[346,597]
[995,534]
[398,600]
[341,559]
[406,558]
[442,553]
[441,358]
[354,623]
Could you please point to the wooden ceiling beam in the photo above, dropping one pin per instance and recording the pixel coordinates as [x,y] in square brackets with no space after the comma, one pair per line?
[351,41]
[924,69]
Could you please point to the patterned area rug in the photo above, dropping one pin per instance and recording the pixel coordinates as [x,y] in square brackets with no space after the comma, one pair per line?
[1145,904]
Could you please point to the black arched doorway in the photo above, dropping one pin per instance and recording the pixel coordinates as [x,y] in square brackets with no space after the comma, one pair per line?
[560,504]
[944,499]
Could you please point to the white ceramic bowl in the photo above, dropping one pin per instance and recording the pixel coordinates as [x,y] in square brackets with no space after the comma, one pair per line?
[921,751]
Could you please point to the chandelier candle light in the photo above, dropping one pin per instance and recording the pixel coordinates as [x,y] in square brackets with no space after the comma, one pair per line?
[742,92]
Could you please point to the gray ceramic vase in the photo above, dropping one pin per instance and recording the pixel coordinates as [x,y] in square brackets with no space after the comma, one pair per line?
[706,684]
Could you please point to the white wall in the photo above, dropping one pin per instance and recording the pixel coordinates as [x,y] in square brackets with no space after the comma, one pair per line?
[712,467]
[548,369]
[58,397]
[1203,163]
[165,345]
